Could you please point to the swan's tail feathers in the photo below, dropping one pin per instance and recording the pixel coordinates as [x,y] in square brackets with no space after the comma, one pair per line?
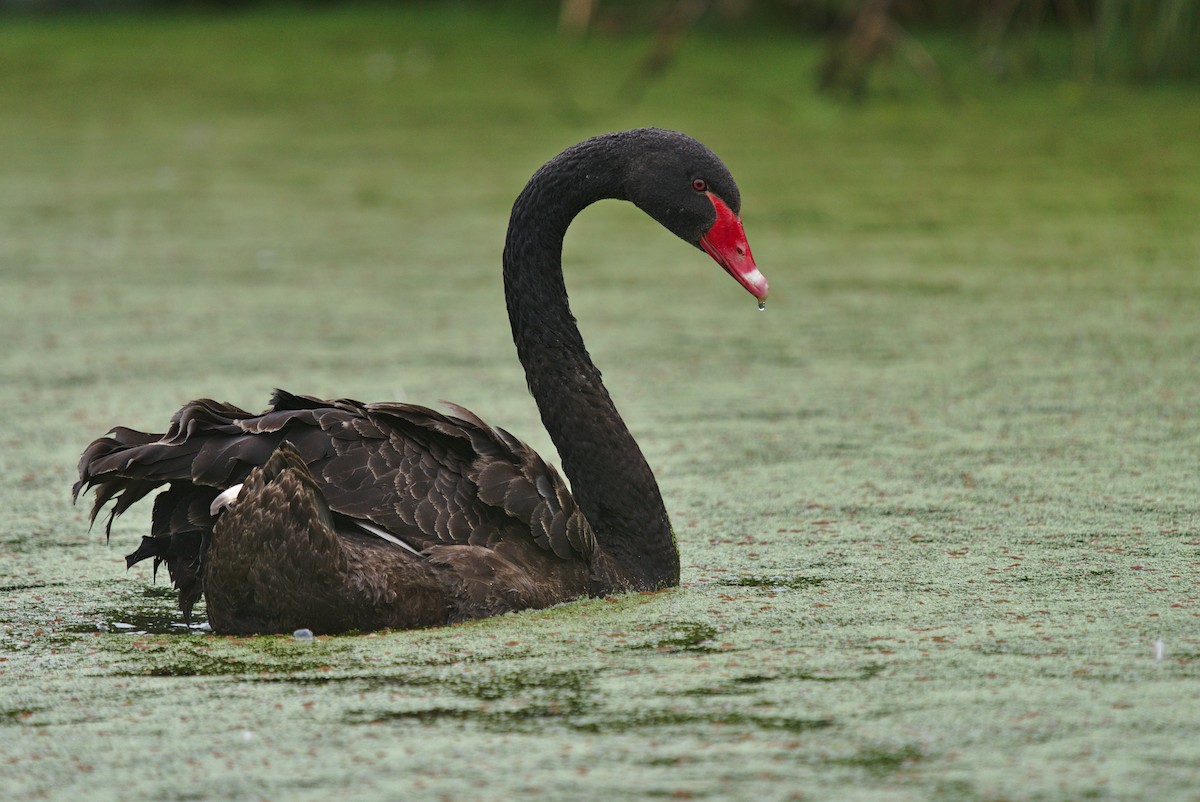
[179,531]
[126,465]
[206,447]
[105,465]
[182,552]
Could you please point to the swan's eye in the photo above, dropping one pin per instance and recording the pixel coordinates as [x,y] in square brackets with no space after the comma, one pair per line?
[699,184]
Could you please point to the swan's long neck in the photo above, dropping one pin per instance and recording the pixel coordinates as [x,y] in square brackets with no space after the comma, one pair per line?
[610,478]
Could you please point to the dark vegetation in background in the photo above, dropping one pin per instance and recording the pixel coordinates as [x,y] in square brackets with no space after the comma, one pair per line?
[1129,40]
[1113,39]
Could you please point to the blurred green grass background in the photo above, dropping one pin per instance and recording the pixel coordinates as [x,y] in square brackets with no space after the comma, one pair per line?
[935,507]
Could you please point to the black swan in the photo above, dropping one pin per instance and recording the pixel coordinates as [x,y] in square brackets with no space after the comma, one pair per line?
[338,515]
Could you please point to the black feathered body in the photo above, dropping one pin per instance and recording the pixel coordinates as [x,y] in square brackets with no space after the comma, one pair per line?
[493,526]
[368,516]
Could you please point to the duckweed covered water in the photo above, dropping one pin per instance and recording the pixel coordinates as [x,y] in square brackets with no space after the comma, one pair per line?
[937,512]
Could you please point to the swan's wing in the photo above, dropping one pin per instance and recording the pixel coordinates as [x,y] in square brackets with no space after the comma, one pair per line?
[507,474]
[422,476]
[447,479]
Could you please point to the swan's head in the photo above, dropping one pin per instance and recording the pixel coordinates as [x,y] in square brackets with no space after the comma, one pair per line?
[685,187]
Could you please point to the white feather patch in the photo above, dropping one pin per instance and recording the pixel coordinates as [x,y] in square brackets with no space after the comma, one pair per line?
[225,500]
[388,536]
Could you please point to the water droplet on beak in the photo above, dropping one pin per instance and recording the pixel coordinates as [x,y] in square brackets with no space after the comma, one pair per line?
[762,306]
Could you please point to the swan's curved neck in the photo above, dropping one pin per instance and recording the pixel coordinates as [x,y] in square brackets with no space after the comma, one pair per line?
[610,478]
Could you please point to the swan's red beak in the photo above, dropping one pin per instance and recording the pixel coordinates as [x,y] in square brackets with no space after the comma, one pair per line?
[726,242]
